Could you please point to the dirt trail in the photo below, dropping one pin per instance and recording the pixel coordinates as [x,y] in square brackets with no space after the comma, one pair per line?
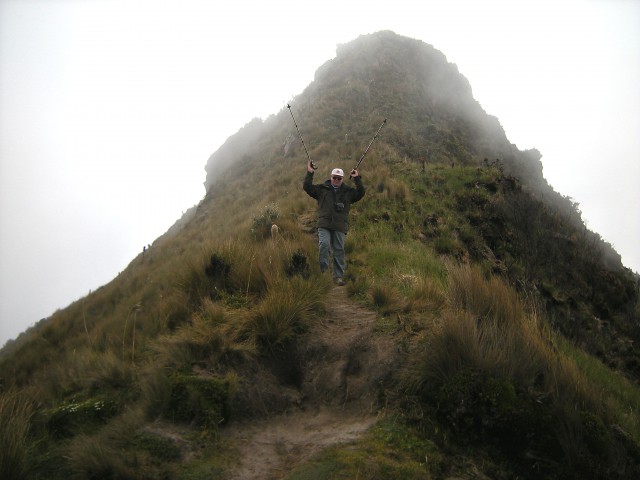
[343,362]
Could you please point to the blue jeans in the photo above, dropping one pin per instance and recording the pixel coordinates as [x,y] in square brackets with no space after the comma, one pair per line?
[331,240]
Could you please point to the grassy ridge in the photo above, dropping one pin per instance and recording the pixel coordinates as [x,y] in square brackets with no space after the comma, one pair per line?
[516,327]
[125,354]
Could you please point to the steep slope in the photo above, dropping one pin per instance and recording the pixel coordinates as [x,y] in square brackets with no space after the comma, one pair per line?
[434,120]
[432,114]
[490,327]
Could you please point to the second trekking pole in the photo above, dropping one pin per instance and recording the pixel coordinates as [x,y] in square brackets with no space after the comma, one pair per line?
[365,152]
[313,165]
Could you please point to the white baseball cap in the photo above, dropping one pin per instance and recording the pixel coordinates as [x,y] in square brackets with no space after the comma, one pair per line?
[337,172]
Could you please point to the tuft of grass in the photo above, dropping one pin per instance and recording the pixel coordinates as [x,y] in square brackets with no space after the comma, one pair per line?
[16,413]
[105,370]
[91,457]
[426,294]
[358,286]
[386,298]
[447,244]
[615,390]
[394,189]
[212,335]
[486,327]
[285,311]
[240,272]
[493,372]
[484,297]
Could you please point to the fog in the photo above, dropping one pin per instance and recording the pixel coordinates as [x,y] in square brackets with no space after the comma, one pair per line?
[109,110]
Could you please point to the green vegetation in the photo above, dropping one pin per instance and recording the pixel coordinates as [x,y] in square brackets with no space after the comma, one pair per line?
[515,325]
[15,419]
[492,375]
[389,450]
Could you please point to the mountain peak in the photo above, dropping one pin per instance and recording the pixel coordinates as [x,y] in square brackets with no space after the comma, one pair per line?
[482,327]
[431,110]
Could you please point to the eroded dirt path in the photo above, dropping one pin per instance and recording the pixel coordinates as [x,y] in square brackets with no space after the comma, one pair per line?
[343,361]
[271,448]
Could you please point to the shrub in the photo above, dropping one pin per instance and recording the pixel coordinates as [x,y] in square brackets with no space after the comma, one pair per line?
[298,265]
[203,401]
[71,417]
[195,279]
[261,224]
[218,270]
[162,448]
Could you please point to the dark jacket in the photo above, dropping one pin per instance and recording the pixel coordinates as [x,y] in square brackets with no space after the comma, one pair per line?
[333,204]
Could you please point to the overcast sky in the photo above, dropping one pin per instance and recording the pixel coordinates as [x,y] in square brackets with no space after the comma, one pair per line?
[109,110]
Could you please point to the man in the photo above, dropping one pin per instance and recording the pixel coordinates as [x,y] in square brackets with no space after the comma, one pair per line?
[334,200]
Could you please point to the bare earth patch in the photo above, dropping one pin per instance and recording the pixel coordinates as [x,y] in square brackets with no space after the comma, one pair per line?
[343,362]
[270,448]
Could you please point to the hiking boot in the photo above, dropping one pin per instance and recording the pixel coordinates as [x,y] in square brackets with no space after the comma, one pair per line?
[339,281]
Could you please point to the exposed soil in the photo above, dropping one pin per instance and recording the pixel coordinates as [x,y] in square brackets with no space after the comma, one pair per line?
[341,365]
[271,448]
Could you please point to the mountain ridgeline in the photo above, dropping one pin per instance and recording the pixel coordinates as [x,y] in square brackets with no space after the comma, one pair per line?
[535,236]
[431,110]
[484,331]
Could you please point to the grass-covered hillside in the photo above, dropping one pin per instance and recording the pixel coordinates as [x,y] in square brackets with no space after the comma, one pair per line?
[483,332]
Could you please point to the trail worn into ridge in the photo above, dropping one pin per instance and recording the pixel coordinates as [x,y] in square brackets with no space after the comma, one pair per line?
[342,363]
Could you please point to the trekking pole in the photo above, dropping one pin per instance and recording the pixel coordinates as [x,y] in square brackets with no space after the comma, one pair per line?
[365,152]
[313,165]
